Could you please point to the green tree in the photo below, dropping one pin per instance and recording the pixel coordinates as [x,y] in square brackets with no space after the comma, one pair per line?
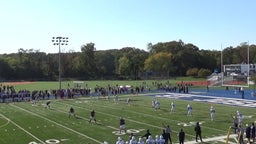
[253,78]
[105,62]
[227,55]
[124,66]
[204,72]
[5,71]
[192,72]
[187,58]
[132,61]
[150,47]
[70,62]
[159,63]
[88,60]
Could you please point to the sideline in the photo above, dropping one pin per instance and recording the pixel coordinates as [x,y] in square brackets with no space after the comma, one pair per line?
[22,129]
[81,134]
[214,139]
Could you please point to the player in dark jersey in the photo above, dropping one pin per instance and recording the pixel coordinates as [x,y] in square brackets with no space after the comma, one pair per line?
[146,134]
[122,124]
[72,112]
[92,116]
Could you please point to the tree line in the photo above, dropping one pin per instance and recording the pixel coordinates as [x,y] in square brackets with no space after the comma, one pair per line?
[164,59]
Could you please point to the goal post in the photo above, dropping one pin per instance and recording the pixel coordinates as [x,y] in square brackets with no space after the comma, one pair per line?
[78,84]
[234,80]
[236,75]
[228,134]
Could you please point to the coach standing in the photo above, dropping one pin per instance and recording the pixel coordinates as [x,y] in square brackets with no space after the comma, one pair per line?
[168,131]
[181,136]
[198,131]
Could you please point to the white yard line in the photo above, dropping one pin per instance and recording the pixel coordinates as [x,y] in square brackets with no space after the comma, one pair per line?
[128,119]
[81,134]
[212,139]
[161,118]
[114,128]
[23,129]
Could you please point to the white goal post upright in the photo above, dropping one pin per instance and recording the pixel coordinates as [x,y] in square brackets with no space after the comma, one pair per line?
[78,84]
[248,70]
[221,67]
[248,62]
[228,134]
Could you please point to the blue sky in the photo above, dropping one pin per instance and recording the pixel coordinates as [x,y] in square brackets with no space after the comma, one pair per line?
[114,24]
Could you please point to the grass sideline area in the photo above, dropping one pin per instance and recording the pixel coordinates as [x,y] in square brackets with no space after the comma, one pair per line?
[47,85]
[25,123]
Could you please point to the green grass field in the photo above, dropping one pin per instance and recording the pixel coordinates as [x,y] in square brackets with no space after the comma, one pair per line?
[24,123]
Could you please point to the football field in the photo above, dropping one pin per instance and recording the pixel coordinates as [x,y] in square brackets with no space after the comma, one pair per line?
[27,123]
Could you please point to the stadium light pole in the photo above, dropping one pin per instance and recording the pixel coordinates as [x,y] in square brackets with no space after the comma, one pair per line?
[248,62]
[221,67]
[60,41]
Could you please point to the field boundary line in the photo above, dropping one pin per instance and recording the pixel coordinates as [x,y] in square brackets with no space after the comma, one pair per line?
[79,133]
[218,138]
[23,129]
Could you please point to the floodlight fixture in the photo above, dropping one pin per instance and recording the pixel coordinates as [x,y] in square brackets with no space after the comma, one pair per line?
[59,41]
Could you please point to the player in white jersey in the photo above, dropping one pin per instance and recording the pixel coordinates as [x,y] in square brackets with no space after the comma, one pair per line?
[116,99]
[133,140]
[157,105]
[172,107]
[150,140]
[153,103]
[161,140]
[47,105]
[212,113]
[157,140]
[140,141]
[189,108]
[240,117]
[128,100]
[119,141]
[107,97]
